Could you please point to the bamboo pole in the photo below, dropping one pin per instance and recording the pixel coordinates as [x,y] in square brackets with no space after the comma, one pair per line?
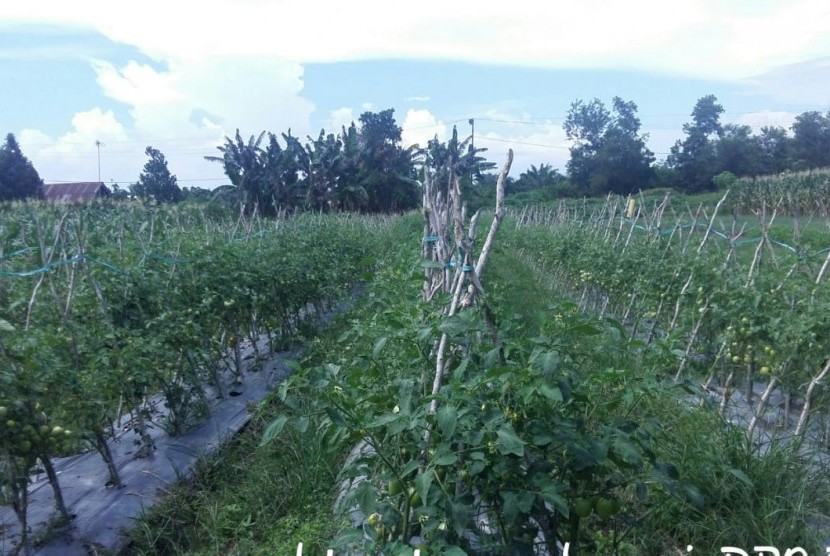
[808,397]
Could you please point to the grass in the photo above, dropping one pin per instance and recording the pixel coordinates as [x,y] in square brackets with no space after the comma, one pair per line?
[253,499]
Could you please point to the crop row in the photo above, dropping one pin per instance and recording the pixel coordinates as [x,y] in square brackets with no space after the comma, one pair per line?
[725,310]
[550,427]
[106,306]
[804,193]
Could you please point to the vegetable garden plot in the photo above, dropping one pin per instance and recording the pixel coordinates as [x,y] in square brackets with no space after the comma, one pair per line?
[725,303]
[108,307]
[102,513]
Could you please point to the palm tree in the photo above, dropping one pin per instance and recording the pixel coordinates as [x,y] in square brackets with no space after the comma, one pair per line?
[538,178]
[244,166]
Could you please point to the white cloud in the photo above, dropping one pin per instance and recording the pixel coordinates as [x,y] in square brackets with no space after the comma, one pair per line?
[757,120]
[95,124]
[184,111]
[708,38]
[226,68]
[75,153]
[534,142]
[421,126]
[801,83]
[340,118]
[136,83]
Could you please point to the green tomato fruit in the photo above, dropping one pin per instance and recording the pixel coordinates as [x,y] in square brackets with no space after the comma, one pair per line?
[606,507]
[582,507]
[414,498]
[394,487]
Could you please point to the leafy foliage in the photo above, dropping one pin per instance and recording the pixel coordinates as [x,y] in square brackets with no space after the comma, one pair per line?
[695,158]
[363,169]
[18,178]
[154,311]
[610,154]
[156,183]
[811,140]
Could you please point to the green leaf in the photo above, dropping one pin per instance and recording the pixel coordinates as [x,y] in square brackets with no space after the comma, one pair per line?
[550,392]
[665,472]
[445,457]
[447,420]
[627,452]
[301,424]
[694,496]
[6,326]
[383,420]
[491,357]
[550,494]
[422,484]
[508,442]
[424,334]
[454,326]
[741,476]
[335,416]
[379,345]
[541,439]
[511,506]
[365,497]
[411,466]
[273,429]
[550,361]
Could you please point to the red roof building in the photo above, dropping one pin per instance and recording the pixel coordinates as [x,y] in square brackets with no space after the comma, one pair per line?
[79,192]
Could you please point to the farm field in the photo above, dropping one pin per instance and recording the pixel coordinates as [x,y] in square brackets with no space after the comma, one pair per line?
[106,308]
[605,416]
[626,384]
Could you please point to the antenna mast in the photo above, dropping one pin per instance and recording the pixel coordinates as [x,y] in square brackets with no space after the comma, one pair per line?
[98,145]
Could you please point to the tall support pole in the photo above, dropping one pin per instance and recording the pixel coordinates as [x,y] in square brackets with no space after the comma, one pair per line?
[98,145]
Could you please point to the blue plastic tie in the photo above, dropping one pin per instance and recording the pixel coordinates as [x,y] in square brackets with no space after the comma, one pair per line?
[18,252]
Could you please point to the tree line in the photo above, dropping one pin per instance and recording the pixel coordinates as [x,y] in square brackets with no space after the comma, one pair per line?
[609,152]
[366,168]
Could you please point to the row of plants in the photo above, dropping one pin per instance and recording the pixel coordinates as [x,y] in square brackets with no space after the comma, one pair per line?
[724,308]
[804,193]
[563,431]
[103,307]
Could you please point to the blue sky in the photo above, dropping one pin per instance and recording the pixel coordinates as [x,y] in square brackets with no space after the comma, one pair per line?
[181,76]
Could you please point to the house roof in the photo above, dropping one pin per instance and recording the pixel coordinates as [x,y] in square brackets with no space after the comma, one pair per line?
[74,192]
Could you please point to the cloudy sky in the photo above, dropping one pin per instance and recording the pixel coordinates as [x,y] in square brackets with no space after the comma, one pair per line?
[181,75]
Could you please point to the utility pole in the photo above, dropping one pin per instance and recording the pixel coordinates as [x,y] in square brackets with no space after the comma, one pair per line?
[98,145]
